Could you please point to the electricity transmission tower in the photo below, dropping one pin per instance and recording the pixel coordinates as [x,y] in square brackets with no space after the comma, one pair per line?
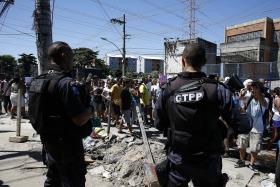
[192,20]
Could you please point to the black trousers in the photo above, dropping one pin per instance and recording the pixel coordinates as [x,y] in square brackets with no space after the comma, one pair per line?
[65,162]
[204,171]
[7,103]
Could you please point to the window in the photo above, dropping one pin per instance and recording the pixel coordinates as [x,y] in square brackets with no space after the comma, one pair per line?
[245,36]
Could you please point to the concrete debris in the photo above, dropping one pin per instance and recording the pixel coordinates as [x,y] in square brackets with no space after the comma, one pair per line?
[271,176]
[107,174]
[135,142]
[122,159]
[97,170]
[128,140]
[267,183]
[89,143]
[113,158]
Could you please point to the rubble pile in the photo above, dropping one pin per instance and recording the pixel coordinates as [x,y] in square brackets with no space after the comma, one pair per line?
[119,160]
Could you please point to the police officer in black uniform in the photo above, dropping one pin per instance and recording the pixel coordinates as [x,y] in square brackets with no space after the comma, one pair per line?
[65,122]
[188,111]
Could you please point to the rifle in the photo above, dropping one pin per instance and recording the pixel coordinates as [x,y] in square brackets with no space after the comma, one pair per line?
[149,163]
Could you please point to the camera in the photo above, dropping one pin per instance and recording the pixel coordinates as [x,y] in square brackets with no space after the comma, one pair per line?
[234,83]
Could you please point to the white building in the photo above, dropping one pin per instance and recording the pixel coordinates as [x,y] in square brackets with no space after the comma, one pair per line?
[134,63]
[174,51]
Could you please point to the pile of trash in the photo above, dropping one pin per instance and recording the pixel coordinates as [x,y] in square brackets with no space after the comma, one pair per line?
[119,159]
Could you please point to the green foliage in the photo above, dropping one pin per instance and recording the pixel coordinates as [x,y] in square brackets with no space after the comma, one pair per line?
[7,65]
[85,57]
[155,74]
[27,63]
[116,73]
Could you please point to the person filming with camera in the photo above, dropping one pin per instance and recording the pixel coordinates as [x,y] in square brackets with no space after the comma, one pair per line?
[255,109]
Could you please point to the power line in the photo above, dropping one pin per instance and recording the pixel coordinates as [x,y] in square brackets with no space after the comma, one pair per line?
[247,11]
[7,34]
[87,24]
[108,16]
[163,9]
[136,15]
[17,30]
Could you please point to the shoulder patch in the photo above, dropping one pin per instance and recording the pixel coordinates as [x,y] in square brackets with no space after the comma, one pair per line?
[188,97]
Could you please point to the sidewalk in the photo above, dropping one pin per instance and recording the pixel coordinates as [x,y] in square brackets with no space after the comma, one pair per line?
[20,163]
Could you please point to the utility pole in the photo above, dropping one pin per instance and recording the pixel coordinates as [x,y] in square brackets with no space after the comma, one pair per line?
[43,29]
[122,22]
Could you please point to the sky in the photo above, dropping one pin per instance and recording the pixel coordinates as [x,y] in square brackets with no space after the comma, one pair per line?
[82,23]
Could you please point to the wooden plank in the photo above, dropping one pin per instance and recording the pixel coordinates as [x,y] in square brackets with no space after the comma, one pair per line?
[149,165]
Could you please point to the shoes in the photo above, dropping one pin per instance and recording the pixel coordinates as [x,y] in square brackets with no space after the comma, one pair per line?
[239,164]
[253,168]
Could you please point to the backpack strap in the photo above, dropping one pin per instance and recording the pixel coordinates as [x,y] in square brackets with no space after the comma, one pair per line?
[191,86]
[54,81]
[248,103]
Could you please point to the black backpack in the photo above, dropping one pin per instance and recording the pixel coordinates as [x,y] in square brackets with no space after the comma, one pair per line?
[39,90]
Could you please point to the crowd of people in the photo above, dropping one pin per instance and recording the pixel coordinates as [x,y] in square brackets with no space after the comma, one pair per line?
[123,95]
[255,115]
[9,91]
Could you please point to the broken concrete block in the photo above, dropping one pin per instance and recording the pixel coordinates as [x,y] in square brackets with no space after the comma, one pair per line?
[97,170]
[107,174]
[128,140]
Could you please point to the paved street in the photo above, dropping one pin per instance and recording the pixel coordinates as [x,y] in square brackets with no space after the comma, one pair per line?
[20,163]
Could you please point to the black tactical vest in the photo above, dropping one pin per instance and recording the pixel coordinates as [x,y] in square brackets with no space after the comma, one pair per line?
[46,112]
[193,109]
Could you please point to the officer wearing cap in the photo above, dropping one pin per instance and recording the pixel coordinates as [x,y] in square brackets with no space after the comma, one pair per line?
[188,111]
[65,122]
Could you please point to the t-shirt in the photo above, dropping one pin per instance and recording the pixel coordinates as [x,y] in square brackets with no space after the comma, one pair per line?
[14,88]
[106,91]
[97,95]
[116,93]
[256,111]
[126,99]
[145,100]
[149,87]
[276,119]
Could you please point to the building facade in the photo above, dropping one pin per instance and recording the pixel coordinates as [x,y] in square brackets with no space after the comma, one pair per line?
[115,62]
[144,64]
[254,41]
[174,51]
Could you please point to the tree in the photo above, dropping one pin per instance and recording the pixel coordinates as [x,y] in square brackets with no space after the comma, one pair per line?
[85,57]
[155,74]
[26,63]
[8,65]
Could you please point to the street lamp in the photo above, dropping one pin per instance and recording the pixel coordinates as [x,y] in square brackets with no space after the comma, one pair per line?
[105,39]
[123,60]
